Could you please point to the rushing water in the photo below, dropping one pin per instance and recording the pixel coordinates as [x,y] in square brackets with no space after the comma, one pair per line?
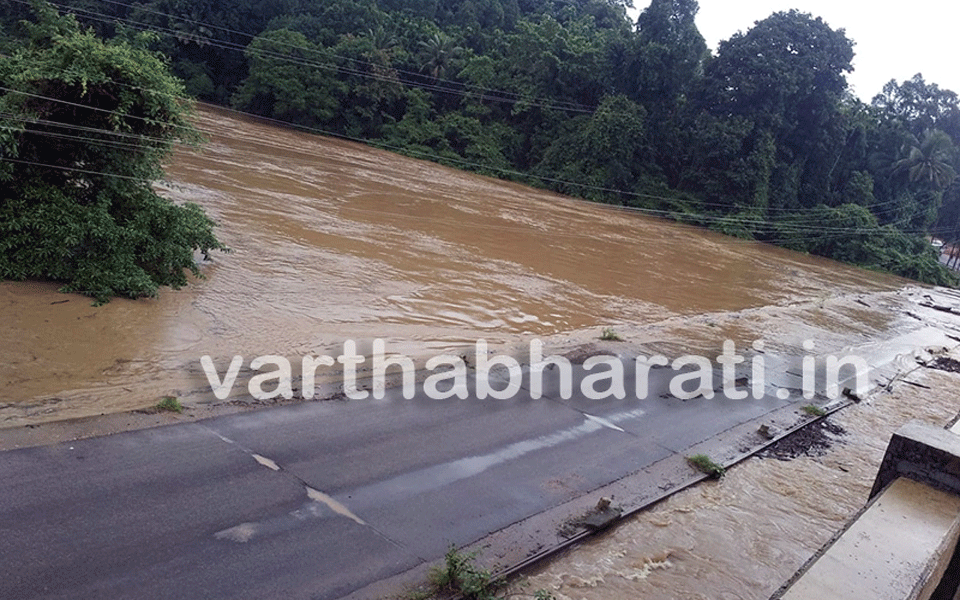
[334,240]
[741,538]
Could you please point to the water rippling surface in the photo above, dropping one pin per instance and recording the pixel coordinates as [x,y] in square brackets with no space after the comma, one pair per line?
[333,240]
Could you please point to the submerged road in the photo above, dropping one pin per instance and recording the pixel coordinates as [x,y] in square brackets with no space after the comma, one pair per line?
[320,499]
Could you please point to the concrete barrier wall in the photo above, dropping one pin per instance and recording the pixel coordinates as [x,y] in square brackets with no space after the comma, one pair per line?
[905,540]
[924,453]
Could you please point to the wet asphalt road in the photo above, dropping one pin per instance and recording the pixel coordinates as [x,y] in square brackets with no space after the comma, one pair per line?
[317,500]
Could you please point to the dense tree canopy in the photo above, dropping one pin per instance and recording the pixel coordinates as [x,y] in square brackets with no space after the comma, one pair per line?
[85,125]
[760,139]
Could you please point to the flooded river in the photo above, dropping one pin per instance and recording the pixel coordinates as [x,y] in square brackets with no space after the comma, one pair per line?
[334,240]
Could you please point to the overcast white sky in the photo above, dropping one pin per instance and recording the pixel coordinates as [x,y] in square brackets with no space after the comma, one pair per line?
[894,40]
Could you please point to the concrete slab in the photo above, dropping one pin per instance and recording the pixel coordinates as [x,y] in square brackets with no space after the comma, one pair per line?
[892,551]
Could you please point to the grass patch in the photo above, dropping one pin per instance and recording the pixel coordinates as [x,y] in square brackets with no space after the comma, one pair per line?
[609,335]
[704,464]
[460,577]
[169,404]
[814,410]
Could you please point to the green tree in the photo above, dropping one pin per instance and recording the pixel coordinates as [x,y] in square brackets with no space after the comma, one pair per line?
[669,60]
[786,75]
[855,236]
[85,127]
[914,159]
[917,106]
[719,169]
[373,94]
[929,162]
[606,150]
[290,79]
[439,52]
[202,38]
[927,165]
[552,72]
[671,50]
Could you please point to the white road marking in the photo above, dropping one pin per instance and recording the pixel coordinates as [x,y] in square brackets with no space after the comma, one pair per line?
[239,533]
[332,504]
[604,422]
[263,460]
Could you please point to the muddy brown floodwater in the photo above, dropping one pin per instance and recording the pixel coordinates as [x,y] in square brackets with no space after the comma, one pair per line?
[334,240]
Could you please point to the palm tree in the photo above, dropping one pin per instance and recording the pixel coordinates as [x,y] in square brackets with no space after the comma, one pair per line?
[439,51]
[383,41]
[929,161]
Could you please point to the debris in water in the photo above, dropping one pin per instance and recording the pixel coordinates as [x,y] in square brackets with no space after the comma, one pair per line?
[848,393]
[945,363]
[940,307]
[600,517]
[768,431]
[813,440]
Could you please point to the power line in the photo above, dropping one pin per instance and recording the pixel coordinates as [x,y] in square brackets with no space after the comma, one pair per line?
[138,138]
[824,233]
[227,45]
[760,222]
[783,227]
[328,52]
[108,18]
[72,169]
[98,109]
